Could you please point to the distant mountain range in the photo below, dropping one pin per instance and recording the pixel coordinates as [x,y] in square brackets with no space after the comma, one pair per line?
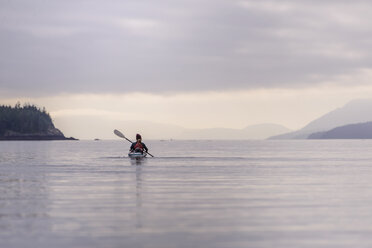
[356,111]
[152,130]
[260,131]
[352,131]
[350,121]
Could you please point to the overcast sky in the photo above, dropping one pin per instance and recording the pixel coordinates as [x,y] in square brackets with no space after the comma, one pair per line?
[175,47]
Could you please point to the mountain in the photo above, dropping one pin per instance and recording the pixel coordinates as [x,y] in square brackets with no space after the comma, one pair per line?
[356,111]
[260,131]
[27,123]
[90,127]
[352,131]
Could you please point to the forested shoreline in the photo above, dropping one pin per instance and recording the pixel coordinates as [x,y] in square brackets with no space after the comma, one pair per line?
[27,122]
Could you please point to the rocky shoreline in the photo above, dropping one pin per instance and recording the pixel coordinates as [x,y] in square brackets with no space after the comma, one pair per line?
[50,134]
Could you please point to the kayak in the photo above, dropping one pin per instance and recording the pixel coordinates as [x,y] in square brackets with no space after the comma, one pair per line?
[137,155]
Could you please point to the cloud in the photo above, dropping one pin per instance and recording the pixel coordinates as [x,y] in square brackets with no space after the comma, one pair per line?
[137,25]
[179,46]
[269,6]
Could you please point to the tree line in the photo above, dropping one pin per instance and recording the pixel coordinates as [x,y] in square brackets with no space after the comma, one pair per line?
[24,119]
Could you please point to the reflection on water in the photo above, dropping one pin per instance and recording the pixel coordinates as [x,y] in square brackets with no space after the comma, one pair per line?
[139,193]
[192,194]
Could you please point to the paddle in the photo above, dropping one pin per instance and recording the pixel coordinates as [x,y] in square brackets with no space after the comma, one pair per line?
[121,135]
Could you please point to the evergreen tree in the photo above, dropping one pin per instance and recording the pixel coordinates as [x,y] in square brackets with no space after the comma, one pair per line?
[26,119]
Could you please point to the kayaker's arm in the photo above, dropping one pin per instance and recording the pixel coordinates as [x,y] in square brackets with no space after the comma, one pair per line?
[145,147]
[132,147]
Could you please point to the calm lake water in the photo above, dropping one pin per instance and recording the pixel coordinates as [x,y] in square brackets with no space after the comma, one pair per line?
[217,194]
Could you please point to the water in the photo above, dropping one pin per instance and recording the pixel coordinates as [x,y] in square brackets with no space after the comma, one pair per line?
[192,194]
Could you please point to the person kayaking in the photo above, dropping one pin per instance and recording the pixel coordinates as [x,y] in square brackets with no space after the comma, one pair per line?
[138,146]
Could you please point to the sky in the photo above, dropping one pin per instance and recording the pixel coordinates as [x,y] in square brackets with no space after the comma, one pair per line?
[189,63]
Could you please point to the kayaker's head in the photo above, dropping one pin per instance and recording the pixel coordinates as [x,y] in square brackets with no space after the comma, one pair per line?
[138,137]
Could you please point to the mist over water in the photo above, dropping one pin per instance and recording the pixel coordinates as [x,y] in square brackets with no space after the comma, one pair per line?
[192,194]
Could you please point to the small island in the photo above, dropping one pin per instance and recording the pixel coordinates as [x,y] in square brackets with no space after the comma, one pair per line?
[27,122]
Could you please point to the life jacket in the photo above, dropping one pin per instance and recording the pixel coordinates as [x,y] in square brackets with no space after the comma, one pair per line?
[138,145]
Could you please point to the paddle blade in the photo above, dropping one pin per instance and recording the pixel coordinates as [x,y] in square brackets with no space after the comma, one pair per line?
[118,133]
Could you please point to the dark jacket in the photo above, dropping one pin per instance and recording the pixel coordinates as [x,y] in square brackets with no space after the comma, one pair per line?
[133,146]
